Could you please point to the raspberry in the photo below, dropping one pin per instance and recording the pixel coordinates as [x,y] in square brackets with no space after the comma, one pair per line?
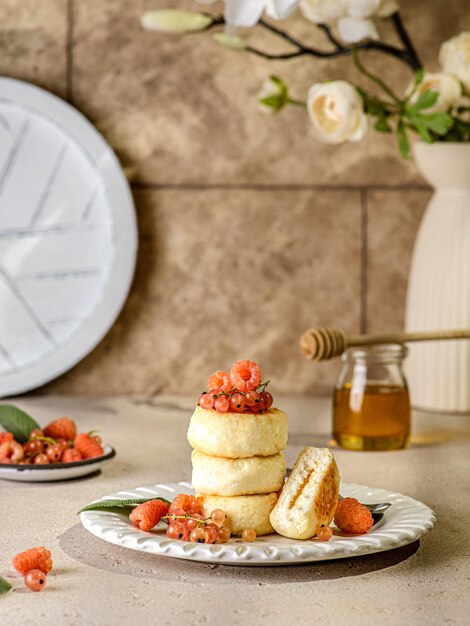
[63,428]
[148,514]
[352,517]
[34,558]
[189,504]
[4,437]
[88,447]
[71,455]
[245,375]
[219,380]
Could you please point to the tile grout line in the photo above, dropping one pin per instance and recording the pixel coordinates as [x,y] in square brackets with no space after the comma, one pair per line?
[364,261]
[69,54]
[274,187]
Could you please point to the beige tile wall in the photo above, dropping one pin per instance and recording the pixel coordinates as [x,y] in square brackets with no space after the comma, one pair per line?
[249,230]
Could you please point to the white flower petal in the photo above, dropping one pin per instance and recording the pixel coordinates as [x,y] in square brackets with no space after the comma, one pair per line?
[454,58]
[447,86]
[354,29]
[322,11]
[244,13]
[387,8]
[281,9]
[362,8]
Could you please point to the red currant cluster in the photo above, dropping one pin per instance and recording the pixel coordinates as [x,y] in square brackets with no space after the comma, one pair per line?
[240,391]
[186,521]
[58,442]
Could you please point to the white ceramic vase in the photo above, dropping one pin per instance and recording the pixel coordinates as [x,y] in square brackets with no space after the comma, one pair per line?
[439,285]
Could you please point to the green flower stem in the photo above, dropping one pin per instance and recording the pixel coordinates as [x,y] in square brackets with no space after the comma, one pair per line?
[373,78]
[297,103]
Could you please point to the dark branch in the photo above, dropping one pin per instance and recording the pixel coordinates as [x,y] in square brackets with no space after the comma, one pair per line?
[412,55]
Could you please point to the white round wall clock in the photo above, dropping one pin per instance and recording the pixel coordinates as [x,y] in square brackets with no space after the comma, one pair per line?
[68,237]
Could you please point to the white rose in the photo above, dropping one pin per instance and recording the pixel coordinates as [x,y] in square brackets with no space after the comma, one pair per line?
[368,8]
[454,58]
[354,29]
[447,86]
[336,112]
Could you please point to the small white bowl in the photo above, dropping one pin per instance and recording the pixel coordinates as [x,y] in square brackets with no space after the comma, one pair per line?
[57,471]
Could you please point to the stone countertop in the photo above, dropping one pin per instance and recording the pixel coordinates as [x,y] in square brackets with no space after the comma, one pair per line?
[96,583]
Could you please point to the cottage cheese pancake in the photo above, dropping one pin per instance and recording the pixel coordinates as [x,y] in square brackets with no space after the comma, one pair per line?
[243,511]
[238,435]
[236,477]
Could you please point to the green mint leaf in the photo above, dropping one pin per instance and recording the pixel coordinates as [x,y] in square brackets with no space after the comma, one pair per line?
[403,141]
[104,505]
[425,100]
[4,586]
[16,421]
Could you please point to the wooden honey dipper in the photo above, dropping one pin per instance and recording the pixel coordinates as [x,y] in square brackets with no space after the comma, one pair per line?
[321,344]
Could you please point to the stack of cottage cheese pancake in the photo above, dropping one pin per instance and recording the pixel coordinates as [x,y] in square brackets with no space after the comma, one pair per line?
[237,461]
[238,465]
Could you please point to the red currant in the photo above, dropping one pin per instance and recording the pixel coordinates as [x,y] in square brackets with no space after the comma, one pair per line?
[35,433]
[32,447]
[214,393]
[54,453]
[252,399]
[249,535]
[41,459]
[218,517]
[35,580]
[325,533]
[224,534]
[198,535]
[195,521]
[206,401]
[222,405]
[177,530]
[237,402]
[211,532]
[266,398]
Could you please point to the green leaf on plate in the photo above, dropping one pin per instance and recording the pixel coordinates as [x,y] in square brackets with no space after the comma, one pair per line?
[16,421]
[4,586]
[104,505]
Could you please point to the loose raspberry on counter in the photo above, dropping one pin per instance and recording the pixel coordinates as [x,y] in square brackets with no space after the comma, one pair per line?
[34,558]
[352,517]
[148,514]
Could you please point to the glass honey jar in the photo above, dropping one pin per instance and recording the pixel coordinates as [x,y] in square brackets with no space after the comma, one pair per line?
[371,407]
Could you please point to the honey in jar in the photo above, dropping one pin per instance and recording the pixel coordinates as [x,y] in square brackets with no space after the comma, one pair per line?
[371,408]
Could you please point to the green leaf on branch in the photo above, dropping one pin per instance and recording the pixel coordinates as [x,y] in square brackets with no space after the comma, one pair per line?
[419,75]
[105,505]
[230,41]
[403,141]
[425,100]
[16,421]
[382,125]
[439,123]
[175,21]
[4,586]
[274,102]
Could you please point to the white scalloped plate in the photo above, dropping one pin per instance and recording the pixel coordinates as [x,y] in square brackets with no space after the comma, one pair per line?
[404,522]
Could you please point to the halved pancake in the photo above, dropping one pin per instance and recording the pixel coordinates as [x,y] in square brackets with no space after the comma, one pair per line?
[215,475]
[310,495]
[238,435]
[243,511]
